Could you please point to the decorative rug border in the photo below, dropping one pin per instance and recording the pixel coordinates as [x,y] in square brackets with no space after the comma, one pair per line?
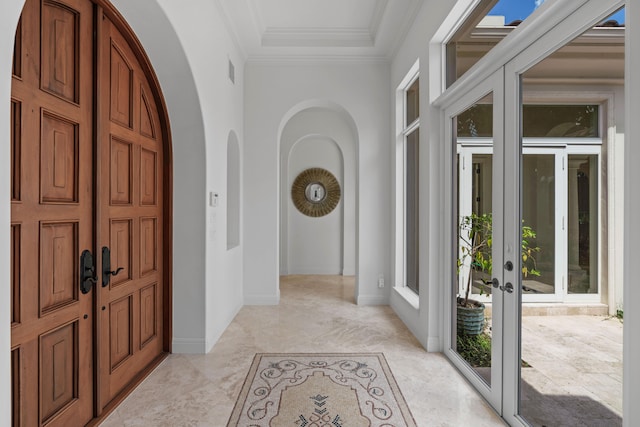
[255,365]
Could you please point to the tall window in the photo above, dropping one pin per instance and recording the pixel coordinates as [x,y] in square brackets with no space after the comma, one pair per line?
[411,134]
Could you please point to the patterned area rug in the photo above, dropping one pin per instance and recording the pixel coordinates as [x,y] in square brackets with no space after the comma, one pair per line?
[320,390]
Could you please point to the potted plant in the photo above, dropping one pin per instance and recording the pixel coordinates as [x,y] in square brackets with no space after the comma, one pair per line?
[475,240]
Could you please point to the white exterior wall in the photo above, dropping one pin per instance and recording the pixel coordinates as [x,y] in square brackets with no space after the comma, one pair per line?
[274,93]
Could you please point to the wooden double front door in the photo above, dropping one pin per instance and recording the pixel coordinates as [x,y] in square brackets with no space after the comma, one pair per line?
[87,220]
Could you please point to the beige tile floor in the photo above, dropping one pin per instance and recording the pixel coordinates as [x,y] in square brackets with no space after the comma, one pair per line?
[316,314]
[575,376]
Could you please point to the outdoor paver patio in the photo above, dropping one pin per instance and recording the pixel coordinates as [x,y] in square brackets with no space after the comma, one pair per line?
[575,378]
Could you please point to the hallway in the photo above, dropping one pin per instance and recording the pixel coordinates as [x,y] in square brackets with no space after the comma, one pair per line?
[316,314]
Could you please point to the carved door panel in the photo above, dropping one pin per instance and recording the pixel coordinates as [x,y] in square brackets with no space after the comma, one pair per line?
[86,174]
[52,214]
[130,219]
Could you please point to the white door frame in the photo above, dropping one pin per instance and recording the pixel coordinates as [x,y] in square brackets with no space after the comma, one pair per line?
[579,20]
[560,150]
[493,85]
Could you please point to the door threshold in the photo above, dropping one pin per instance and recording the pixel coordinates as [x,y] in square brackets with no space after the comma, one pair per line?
[559,309]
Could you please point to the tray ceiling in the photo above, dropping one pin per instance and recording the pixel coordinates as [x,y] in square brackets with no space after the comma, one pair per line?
[307,29]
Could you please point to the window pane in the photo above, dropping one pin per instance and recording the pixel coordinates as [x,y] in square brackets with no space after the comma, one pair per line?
[488,24]
[411,211]
[541,121]
[476,122]
[582,224]
[413,102]
[493,20]
[538,223]
[618,19]
[511,13]
[556,121]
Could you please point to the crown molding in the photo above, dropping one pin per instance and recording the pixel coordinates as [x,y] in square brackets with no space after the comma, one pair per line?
[281,59]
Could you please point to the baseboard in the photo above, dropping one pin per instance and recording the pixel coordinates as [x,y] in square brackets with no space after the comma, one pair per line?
[373,300]
[349,272]
[433,345]
[314,271]
[188,346]
[262,299]
[212,340]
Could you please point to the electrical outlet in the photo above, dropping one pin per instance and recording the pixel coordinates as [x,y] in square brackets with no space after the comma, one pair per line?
[381,281]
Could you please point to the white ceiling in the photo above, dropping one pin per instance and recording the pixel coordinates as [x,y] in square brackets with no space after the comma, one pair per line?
[319,29]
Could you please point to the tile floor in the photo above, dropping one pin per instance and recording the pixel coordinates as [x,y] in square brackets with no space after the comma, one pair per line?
[575,376]
[316,314]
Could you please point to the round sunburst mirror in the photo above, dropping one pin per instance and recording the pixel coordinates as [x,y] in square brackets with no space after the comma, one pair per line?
[315,192]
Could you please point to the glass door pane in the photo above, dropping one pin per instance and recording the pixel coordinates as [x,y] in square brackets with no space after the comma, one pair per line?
[475,339]
[566,357]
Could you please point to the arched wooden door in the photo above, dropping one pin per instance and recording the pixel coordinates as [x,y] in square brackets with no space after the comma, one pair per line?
[89,167]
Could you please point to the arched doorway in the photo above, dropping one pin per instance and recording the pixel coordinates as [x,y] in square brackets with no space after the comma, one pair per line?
[90,229]
[319,133]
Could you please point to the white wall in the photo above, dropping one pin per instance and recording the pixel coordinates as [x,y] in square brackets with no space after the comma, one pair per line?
[424,321]
[204,106]
[274,93]
[314,244]
[234,191]
[332,126]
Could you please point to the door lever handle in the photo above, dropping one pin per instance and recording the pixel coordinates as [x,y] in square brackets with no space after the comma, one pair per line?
[106,267]
[507,287]
[114,273]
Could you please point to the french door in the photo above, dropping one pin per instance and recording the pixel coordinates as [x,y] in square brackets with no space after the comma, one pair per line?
[490,248]
[560,208]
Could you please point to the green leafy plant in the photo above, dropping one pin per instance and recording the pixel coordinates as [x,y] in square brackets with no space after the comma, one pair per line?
[475,237]
[475,349]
